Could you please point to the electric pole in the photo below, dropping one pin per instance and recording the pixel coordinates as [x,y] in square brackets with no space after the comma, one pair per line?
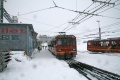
[99,30]
[4,13]
[1,11]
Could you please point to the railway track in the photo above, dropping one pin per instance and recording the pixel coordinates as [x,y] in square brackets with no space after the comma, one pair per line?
[91,72]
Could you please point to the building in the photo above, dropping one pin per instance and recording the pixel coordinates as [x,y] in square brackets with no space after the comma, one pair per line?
[43,39]
[17,37]
[15,19]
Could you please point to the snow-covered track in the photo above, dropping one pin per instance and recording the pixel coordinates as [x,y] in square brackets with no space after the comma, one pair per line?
[90,71]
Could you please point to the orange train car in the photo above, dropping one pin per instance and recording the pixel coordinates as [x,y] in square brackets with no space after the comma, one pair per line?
[105,45]
[63,46]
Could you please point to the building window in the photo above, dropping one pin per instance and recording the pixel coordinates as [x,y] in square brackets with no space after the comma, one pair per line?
[15,37]
[4,37]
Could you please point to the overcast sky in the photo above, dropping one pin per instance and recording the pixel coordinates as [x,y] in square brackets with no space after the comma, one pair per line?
[47,20]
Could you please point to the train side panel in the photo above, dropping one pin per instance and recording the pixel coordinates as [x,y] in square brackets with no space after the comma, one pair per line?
[104,45]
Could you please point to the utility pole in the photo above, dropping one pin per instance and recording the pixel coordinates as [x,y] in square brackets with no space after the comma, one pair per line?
[99,30]
[4,13]
[1,11]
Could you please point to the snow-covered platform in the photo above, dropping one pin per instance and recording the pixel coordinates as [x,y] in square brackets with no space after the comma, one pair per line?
[44,66]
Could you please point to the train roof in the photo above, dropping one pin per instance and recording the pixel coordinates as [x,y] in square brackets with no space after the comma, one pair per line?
[65,36]
[115,38]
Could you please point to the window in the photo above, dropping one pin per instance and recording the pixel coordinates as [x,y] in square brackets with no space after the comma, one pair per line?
[66,41]
[4,37]
[107,43]
[59,42]
[101,43]
[114,44]
[89,43]
[15,37]
[95,43]
[72,41]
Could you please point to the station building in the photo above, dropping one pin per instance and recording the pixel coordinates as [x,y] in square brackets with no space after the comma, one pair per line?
[17,37]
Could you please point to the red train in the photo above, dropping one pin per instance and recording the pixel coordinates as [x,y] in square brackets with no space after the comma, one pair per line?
[63,46]
[105,45]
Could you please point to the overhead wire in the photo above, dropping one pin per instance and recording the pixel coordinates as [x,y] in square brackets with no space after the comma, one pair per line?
[36,11]
[38,22]
[84,18]
[46,9]
[87,14]
[78,16]
[107,26]
[98,13]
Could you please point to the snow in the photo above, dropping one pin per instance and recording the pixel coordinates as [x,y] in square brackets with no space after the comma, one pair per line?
[44,66]
[105,61]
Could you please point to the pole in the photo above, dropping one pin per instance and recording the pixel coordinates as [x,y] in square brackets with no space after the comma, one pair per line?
[99,30]
[1,11]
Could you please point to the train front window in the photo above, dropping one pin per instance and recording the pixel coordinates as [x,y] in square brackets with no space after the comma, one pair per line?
[72,41]
[66,41]
[59,42]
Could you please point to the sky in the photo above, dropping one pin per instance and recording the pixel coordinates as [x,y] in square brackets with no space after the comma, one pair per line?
[49,20]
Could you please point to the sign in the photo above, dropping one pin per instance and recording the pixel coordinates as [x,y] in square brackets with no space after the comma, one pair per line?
[7,30]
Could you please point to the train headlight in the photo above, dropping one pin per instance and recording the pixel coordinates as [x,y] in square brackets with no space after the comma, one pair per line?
[59,50]
[74,49]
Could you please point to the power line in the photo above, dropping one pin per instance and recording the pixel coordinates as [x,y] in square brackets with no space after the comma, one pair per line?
[78,15]
[87,16]
[37,22]
[109,8]
[98,15]
[36,11]
[113,24]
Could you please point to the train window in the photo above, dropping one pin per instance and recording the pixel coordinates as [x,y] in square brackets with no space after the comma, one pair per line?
[101,43]
[95,43]
[72,41]
[114,44]
[65,41]
[59,42]
[106,43]
[89,43]
[15,37]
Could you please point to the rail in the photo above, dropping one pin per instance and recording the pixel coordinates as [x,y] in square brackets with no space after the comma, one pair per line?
[91,72]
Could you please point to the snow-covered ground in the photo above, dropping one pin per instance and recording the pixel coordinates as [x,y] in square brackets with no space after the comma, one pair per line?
[44,66]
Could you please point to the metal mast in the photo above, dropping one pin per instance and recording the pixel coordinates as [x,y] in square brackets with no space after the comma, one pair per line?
[99,30]
[1,11]
[4,13]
